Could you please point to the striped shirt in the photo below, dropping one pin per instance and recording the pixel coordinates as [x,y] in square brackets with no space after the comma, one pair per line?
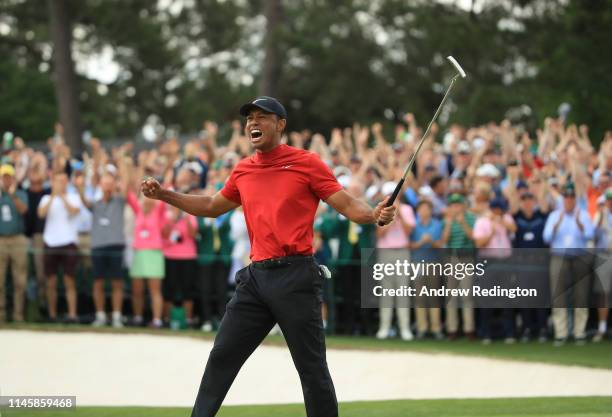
[457,238]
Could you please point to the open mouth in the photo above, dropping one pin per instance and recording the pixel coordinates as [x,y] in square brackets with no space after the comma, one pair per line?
[256,134]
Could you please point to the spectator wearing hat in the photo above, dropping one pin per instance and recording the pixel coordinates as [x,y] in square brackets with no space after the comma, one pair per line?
[392,243]
[492,233]
[13,243]
[603,262]
[107,244]
[530,220]
[61,210]
[425,239]
[457,235]
[568,231]
[34,225]
[352,238]
[85,217]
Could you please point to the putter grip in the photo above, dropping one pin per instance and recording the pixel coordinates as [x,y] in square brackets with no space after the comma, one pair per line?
[391,200]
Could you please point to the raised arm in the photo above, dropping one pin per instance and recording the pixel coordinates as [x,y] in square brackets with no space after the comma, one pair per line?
[197,205]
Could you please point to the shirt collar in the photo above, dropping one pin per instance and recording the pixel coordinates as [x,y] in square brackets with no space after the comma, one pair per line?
[265,157]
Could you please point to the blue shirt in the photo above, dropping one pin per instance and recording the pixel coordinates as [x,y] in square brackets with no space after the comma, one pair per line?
[434,230]
[568,235]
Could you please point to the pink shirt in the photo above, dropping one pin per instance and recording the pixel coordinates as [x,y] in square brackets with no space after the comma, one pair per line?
[179,244]
[147,227]
[395,236]
[499,246]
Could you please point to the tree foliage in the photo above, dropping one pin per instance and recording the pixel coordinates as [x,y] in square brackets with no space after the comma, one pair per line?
[340,62]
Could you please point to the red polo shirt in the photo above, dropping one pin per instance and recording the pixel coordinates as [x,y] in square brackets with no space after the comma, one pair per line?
[279,192]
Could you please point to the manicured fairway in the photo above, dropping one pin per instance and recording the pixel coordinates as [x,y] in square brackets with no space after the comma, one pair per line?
[515,407]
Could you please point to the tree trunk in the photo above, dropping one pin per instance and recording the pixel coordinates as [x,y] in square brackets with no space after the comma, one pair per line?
[66,87]
[271,65]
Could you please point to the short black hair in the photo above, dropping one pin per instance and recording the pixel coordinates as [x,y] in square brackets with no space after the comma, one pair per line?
[437,179]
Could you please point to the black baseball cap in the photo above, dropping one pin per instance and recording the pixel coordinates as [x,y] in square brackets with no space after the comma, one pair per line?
[498,203]
[569,190]
[265,103]
[527,196]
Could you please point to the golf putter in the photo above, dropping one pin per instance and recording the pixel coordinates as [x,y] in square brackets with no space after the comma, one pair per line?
[460,73]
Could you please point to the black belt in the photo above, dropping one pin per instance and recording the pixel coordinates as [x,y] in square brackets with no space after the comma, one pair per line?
[281,262]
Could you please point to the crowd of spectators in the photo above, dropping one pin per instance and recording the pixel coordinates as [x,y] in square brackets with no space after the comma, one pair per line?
[488,189]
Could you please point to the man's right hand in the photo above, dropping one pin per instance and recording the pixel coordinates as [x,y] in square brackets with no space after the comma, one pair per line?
[151,188]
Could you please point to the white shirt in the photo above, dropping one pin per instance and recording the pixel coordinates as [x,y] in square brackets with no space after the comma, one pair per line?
[60,228]
[240,235]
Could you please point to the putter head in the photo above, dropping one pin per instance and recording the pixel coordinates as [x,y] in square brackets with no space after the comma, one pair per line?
[457,66]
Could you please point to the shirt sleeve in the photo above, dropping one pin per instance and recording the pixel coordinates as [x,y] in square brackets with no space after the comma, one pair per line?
[132,201]
[230,190]
[44,200]
[23,196]
[589,227]
[548,227]
[437,230]
[323,183]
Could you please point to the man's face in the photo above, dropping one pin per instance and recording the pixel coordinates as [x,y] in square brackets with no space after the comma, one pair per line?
[263,129]
[7,181]
[497,212]
[424,211]
[107,183]
[527,204]
[60,181]
[569,202]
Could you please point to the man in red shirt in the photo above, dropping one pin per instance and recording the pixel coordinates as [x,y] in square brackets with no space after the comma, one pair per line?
[279,188]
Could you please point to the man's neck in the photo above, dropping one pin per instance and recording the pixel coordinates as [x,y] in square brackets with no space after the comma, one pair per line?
[273,146]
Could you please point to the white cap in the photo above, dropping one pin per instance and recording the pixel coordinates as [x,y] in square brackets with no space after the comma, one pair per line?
[388,188]
[372,191]
[478,143]
[464,147]
[487,170]
[426,191]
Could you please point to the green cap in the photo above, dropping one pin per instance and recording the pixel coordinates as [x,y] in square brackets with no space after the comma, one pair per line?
[608,194]
[455,198]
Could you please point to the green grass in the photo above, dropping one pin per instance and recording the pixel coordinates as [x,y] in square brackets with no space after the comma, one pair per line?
[515,407]
[593,355]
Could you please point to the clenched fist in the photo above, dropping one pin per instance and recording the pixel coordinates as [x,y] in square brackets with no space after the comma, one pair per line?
[384,215]
[151,188]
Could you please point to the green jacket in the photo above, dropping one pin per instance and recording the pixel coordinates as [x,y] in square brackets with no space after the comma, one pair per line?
[366,238]
[206,237]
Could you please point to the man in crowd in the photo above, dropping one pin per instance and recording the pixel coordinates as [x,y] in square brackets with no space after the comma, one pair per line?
[457,234]
[107,245]
[61,210]
[13,244]
[568,231]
